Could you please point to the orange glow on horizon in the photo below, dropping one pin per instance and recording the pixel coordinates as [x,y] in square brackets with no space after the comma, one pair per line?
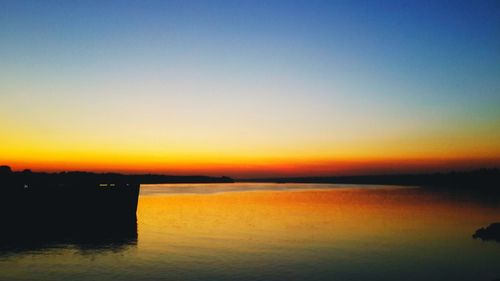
[264,168]
[323,94]
[267,155]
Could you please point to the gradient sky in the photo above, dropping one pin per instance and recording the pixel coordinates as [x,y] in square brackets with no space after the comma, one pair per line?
[250,88]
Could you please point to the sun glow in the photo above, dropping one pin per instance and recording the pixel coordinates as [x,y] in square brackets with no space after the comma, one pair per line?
[246,97]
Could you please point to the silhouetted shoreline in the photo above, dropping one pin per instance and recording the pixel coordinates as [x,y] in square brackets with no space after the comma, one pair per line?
[79,176]
[44,208]
[74,207]
[479,179]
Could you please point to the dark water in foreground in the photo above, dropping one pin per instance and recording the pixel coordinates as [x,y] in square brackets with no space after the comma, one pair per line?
[280,232]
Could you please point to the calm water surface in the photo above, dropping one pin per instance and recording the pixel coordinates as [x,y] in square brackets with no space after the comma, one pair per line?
[281,232]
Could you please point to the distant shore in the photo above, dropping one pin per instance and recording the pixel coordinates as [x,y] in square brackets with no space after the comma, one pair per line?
[478,179]
[6,171]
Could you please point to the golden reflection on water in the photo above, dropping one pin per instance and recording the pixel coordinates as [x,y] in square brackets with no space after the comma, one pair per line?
[307,233]
[250,221]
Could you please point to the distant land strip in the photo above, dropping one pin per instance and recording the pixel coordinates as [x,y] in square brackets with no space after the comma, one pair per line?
[481,179]
[477,179]
[77,176]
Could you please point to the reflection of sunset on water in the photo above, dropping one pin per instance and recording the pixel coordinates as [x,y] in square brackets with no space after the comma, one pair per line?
[266,231]
[250,221]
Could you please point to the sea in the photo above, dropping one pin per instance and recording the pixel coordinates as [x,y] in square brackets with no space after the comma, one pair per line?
[271,231]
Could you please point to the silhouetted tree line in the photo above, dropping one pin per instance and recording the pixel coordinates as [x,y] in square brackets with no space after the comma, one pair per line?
[27,176]
[480,179]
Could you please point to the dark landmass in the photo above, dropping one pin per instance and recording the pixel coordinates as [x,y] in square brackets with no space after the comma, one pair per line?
[490,233]
[28,176]
[152,179]
[44,208]
[486,179]
[79,208]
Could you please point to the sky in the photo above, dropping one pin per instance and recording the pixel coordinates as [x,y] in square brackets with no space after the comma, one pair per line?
[250,88]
